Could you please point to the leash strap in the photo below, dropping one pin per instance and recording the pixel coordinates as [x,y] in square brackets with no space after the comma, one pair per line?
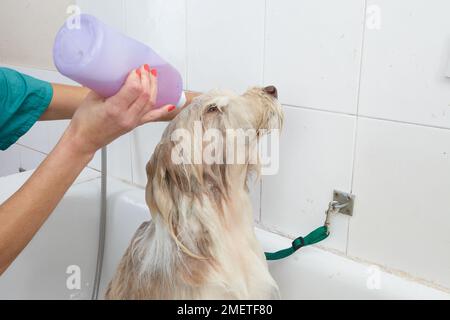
[315,236]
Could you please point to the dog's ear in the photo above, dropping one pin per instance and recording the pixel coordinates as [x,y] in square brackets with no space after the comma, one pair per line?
[164,180]
[168,186]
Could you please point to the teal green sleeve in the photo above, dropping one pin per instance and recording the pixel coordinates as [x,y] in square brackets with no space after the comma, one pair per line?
[23,99]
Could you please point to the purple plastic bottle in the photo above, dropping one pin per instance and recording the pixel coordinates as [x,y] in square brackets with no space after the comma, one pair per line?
[100,58]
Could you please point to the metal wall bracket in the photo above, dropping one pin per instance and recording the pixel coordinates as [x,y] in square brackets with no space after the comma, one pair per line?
[345,200]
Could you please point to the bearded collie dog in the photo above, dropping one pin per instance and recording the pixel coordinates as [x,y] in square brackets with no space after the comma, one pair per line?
[200,242]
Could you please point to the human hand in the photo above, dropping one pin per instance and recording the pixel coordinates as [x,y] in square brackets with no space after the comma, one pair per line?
[99,121]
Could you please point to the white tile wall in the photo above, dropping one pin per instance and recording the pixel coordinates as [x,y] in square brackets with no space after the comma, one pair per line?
[29,158]
[37,137]
[44,135]
[9,161]
[28,31]
[402,183]
[144,141]
[19,157]
[405,62]
[55,131]
[2,58]
[111,12]
[313,50]
[315,158]
[119,158]
[225,41]
[160,24]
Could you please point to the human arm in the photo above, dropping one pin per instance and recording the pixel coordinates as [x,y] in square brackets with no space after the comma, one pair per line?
[96,123]
[66,99]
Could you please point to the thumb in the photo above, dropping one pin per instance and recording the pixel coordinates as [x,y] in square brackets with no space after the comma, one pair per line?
[164,113]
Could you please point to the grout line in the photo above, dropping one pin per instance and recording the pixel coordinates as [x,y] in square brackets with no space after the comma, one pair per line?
[130,135]
[263,75]
[43,153]
[131,140]
[404,122]
[186,54]
[358,101]
[20,158]
[318,109]
[24,66]
[125,16]
[286,104]
[263,71]
[32,149]
[367,117]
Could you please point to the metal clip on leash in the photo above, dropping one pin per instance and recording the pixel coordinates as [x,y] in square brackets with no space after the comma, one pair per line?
[315,236]
[333,207]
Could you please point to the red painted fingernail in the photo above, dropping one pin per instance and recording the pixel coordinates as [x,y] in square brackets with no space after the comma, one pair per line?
[138,71]
[147,67]
[171,108]
[154,72]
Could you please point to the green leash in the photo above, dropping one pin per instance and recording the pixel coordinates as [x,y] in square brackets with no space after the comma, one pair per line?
[315,236]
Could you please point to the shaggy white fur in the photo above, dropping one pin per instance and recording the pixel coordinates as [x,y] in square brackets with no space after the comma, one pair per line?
[200,243]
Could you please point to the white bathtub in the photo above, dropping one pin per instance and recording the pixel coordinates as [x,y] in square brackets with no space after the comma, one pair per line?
[70,238]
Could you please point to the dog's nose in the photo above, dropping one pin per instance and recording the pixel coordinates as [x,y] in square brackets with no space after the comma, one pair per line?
[271,90]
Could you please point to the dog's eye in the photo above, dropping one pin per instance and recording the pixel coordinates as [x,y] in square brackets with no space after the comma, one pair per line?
[212,108]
